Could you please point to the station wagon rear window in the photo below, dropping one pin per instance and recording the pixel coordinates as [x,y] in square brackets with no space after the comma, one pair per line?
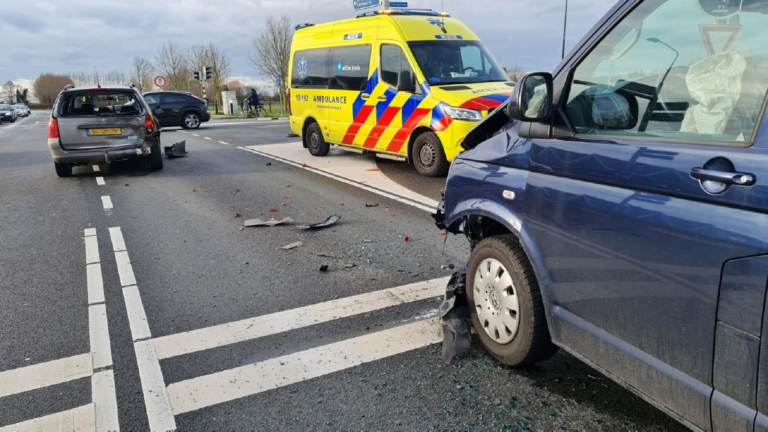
[99,103]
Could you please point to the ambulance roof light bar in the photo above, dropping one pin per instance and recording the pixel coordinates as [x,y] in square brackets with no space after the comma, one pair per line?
[419,12]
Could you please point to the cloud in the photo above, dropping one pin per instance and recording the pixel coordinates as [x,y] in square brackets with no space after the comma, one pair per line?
[83,34]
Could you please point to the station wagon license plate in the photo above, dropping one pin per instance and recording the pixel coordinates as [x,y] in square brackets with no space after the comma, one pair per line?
[105,131]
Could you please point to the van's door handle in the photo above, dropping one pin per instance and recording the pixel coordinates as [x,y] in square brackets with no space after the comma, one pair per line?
[729,178]
[382,98]
[365,96]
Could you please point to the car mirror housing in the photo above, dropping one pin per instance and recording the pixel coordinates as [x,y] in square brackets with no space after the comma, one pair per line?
[532,98]
[405,82]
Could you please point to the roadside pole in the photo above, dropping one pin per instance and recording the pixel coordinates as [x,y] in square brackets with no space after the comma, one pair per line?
[280,90]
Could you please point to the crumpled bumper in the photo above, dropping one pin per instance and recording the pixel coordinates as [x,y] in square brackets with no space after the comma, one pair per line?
[95,156]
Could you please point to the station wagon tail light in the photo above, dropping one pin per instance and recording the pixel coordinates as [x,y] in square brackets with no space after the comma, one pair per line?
[149,124]
[53,128]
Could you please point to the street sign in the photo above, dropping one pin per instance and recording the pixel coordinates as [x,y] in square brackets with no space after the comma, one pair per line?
[401,5]
[278,79]
[365,4]
[160,81]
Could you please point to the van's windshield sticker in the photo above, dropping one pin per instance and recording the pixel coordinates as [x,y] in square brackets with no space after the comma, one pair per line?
[303,68]
[353,36]
[347,68]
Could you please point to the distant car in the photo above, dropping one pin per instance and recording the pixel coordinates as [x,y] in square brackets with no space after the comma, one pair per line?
[103,124]
[20,110]
[8,113]
[178,109]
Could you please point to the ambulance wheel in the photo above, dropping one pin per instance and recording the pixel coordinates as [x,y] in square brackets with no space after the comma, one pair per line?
[428,156]
[315,142]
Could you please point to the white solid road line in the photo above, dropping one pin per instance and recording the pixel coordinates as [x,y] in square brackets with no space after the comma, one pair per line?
[118,243]
[98,329]
[90,232]
[356,184]
[207,390]
[95,284]
[104,398]
[136,316]
[41,375]
[247,123]
[278,322]
[100,181]
[106,201]
[91,250]
[153,387]
[78,419]
[124,269]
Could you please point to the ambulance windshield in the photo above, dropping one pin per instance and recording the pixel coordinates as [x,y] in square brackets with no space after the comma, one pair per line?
[456,62]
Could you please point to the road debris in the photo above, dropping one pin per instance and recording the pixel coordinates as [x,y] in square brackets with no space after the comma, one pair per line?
[269,223]
[454,316]
[325,255]
[273,210]
[291,246]
[350,266]
[324,268]
[407,238]
[269,163]
[328,222]
[237,215]
[371,205]
[176,150]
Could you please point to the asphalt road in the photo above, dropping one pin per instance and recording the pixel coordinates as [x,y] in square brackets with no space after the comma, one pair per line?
[141,303]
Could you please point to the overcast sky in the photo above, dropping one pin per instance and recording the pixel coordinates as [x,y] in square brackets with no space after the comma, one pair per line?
[62,36]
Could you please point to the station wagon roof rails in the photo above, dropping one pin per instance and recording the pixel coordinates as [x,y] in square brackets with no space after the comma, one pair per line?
[415,12]
[303,26]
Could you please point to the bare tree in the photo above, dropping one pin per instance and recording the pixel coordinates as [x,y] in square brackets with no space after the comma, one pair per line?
[220,65]
[271,53]
[514,73]
[172,63]
[9,92]
[48,86]
[141,76]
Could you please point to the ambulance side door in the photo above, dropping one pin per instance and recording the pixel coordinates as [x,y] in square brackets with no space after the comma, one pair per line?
[397,112]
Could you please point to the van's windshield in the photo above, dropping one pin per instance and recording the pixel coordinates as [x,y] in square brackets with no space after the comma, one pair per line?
[456,62]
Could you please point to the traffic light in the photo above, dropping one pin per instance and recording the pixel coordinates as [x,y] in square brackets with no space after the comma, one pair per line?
[197,75]
[208,72]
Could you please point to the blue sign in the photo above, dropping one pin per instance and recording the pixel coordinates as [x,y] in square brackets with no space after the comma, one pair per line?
[353,36]
[449,37]
[398,4]
[365,4]
[278,80]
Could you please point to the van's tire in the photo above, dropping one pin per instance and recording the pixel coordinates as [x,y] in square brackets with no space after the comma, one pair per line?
[315,142]
[63,169]
[190,120]
[531,342]
[428,156]
[155,158]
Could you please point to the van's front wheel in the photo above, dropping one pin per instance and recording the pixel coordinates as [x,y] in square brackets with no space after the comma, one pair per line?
[428,156]
[315,142]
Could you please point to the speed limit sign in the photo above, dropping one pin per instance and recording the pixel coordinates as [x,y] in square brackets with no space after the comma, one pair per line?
[160,81]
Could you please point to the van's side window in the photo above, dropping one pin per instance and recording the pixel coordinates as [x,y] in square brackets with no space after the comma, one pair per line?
[393,61]
[310,68]
[676,70]
[350,67]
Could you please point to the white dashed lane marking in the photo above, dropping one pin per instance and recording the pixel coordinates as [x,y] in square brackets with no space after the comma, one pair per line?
[100,181]
[106,201]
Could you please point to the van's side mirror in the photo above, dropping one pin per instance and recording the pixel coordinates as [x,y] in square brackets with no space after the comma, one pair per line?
[405,82]
[532,98]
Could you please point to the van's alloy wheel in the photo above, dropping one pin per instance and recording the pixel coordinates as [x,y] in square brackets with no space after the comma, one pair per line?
[191,121]
[506,307]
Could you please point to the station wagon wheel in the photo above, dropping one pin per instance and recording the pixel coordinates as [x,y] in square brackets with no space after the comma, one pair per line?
[191,121]
[428,155]
[315,142]
[505,304]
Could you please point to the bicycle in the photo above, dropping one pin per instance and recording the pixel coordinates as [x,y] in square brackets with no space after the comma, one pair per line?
[258,112]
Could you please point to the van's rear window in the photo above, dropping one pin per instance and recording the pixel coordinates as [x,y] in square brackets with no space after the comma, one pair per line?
[96,103]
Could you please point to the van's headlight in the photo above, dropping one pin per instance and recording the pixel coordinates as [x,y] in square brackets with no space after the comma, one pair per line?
[463,114]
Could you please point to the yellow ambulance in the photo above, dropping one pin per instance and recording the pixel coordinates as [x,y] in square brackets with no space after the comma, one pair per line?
[402,82]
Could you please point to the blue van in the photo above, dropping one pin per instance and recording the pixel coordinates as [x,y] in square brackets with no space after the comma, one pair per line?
[617,209]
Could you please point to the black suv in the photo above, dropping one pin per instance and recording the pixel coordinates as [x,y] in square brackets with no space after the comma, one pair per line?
[178,109]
